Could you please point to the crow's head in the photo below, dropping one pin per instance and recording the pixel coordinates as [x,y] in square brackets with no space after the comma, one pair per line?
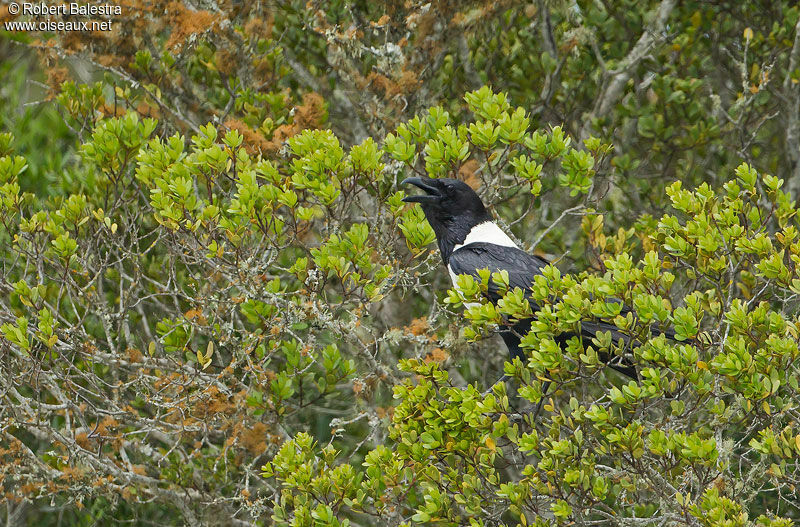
[450,206]
[447,200]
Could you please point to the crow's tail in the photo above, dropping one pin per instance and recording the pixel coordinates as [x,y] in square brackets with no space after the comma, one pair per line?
[589,330]
[621,364]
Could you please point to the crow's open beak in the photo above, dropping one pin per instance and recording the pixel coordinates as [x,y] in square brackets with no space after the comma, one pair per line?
[432,195]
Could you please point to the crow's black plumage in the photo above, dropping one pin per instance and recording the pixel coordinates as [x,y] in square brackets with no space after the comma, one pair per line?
[470,240]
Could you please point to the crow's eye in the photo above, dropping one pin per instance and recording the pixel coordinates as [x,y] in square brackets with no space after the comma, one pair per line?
[450,187]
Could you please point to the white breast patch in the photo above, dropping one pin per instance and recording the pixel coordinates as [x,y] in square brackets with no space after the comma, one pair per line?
[487,232]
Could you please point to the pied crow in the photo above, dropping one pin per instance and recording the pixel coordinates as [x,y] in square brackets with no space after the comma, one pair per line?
[470,240]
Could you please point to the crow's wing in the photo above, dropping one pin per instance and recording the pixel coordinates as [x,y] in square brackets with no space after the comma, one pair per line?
[521,266]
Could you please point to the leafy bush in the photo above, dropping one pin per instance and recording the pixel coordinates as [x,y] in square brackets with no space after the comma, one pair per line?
[216,309]
[181,324]
[707,432]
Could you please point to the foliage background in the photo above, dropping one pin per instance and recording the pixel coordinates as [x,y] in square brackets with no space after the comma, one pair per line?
[216,310]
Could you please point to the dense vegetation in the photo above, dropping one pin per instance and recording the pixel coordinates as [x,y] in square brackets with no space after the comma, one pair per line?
[215,308]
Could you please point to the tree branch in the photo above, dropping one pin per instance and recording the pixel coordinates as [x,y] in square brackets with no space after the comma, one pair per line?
[792,90]
[616,79]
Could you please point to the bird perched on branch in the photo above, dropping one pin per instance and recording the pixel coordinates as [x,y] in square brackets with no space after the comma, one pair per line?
[470,240]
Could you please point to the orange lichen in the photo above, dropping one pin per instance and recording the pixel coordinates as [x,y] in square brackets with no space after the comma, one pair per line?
[213,404]
[436,355]
[73,41]
[382,21]
[147,110]
[468,172]
[134,355]
[5,15]
[166,380]
[186,22]
[254,142]
[226,61]
[55,77]
[110,60]
[29,489]
[254,439]
[70,473]
[258,27]
[418,326]
[111,110]
[106,427]
[310,114]
[404,83]
[196,313]
[379,81]
[407,83]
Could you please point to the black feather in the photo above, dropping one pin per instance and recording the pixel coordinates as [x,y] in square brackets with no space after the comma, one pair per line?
[522,268]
